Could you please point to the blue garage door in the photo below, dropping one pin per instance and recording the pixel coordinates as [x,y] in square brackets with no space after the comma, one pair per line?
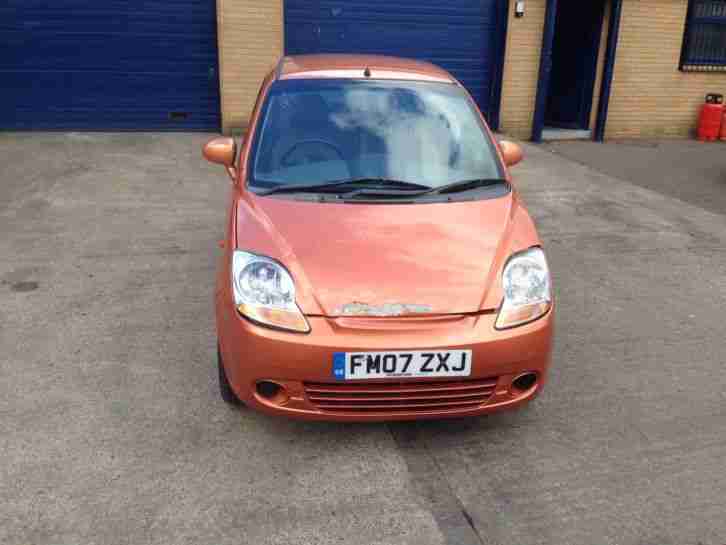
[108,64]
[466,37]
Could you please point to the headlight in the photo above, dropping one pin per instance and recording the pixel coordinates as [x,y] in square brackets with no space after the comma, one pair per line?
[527,290]
[265,293]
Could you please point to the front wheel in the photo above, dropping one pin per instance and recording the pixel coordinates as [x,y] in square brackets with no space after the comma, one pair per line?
[225,390]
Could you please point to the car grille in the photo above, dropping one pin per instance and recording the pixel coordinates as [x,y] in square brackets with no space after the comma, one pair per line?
[388,397]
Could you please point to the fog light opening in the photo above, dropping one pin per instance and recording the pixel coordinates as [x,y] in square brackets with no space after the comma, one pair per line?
[272,392]
[524,382]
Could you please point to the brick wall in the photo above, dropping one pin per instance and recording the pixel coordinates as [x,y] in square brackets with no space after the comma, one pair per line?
[650,96]
[250,39]
[521,69]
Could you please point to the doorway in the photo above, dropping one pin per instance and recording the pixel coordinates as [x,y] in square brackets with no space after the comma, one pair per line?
[575,49]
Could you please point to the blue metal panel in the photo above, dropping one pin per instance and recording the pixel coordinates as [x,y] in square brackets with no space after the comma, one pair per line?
[463,36]
[109,65]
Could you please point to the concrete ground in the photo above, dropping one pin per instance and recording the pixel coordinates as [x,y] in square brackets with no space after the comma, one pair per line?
[112,430]
[689,170]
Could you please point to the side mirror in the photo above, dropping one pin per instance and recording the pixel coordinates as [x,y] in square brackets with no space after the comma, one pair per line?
[222,150]
[511,153]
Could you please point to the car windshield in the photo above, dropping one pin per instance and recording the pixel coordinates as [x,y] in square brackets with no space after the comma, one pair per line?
[317,131]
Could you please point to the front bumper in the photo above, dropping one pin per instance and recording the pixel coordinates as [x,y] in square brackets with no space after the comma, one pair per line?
[301,363]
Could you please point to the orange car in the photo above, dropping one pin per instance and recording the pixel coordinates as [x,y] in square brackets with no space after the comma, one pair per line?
[378,262]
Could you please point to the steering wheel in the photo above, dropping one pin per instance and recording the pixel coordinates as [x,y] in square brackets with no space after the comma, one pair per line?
[285,161]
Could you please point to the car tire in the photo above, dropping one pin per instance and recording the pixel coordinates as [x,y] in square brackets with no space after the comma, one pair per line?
[225,389]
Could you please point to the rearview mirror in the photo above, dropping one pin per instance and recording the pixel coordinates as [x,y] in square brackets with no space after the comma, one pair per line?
[511,153]
[222,150]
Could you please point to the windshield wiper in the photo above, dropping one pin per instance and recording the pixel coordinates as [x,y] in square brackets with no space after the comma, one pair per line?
[461,185]
[336,184]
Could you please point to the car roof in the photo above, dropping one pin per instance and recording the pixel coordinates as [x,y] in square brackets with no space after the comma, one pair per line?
[359,67]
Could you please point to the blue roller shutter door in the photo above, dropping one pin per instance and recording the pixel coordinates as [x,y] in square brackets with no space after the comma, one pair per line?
[109,65]
[463,36]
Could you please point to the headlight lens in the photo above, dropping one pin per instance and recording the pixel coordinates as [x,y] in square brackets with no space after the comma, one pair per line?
[527,289]
[264,292]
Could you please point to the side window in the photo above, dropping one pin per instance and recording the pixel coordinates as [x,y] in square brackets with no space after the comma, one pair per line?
[704,42]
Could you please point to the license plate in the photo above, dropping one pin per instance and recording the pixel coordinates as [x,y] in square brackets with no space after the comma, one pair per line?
[370,365]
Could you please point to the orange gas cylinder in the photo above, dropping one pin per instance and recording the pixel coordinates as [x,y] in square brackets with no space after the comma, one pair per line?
[709,122]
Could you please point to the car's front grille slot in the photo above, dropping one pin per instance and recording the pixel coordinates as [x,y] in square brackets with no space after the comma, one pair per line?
[414,397]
